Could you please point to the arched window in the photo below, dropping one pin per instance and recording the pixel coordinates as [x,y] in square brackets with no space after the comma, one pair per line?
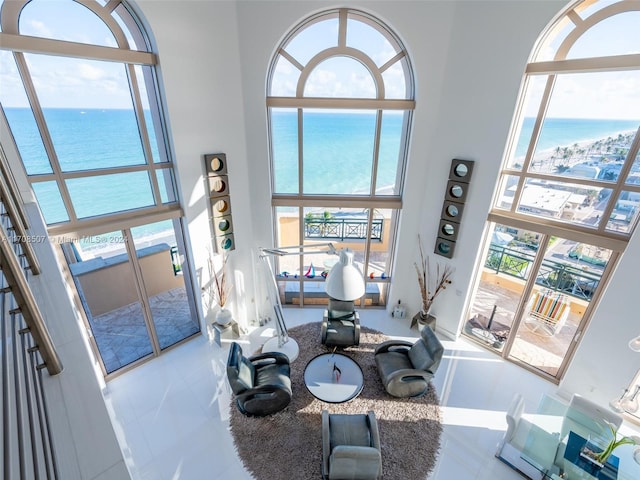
[340,96]
[568,195]
[81,99]
[80,62]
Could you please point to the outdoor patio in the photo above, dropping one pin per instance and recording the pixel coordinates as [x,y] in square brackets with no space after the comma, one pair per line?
[541,352]
[122,336]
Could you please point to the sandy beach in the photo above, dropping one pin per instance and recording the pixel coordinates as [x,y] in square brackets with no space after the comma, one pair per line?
[587,151]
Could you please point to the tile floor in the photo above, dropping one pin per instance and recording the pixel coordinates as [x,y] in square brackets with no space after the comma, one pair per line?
[171,414]
[121,334]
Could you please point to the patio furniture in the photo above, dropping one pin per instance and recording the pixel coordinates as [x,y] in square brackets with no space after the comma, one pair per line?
[261,384]
[406,368]
[350,447]
[340,324]
[547,312]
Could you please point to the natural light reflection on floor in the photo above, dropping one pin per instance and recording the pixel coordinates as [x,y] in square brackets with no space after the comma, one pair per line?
[473,417]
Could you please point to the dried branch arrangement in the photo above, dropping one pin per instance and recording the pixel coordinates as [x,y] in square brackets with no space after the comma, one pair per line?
[431,285]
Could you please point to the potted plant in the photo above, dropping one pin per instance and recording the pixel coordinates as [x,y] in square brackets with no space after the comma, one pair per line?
[600,456]
[430,284]
[221,290]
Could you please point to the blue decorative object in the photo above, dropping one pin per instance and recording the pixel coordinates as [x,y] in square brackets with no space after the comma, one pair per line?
[575,443]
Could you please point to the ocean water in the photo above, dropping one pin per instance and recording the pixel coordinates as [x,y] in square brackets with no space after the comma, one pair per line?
[349,152]
[339,143]
[338,152]
[87,139]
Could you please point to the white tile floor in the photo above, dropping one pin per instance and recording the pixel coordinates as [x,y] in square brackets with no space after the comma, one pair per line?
[171,414]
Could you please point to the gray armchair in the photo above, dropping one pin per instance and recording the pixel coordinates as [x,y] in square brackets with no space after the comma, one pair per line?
[340,325]
[261,384]
[350,447]
[406,368]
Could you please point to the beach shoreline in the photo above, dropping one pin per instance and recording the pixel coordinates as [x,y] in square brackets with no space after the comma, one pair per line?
[548,155]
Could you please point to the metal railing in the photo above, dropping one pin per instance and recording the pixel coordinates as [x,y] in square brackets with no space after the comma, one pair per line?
[558,276]
[342,229]
[26,348]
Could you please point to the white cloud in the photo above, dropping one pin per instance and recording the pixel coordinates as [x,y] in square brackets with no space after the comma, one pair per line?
[39,29]
[362,85]
[340,77]
[614,95]
[285,79]
[598,95]
[90,72]
[322,83]
[394,81]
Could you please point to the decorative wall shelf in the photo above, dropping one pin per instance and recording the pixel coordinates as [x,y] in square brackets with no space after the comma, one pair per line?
[220,201]
[454,198]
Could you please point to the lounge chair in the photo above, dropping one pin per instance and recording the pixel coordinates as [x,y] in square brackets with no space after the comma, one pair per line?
[547,312]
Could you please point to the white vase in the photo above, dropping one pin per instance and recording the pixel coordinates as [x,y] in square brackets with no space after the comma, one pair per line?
[224,316]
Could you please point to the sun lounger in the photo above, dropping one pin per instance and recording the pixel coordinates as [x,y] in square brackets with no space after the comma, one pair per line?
[547,312]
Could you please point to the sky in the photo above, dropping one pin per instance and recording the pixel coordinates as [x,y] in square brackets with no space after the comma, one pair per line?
[92,84]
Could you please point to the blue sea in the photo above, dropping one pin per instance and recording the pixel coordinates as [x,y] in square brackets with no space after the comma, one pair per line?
[341,143]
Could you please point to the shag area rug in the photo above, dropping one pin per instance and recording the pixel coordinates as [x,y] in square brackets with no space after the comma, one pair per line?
[288,444]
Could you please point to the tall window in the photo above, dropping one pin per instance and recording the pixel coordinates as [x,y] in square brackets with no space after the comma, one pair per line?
[80,98]
[340,98]
[80,95]
[569,191]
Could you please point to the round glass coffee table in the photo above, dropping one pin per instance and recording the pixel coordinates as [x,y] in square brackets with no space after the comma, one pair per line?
[333,378]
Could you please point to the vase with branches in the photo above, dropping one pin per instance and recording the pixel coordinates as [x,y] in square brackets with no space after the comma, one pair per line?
[220,290]
[431,284]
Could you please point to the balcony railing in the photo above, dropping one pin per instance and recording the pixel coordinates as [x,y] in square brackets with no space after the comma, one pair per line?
[342,229]
[557,276]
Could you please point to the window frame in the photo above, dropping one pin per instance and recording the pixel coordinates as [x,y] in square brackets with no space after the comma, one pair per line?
[135,53]
[11,40]
[601,236]
[616,241]
[299,102]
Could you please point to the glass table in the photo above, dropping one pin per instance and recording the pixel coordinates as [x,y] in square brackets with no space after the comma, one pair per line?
[555,438]
[333,378]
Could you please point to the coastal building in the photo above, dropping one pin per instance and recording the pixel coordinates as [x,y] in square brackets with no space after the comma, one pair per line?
[215,71]
[548,200]
[583,170]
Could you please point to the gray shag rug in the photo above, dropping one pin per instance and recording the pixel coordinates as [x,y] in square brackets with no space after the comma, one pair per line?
[288,444]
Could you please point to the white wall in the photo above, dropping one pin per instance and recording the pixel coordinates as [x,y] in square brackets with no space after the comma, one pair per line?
[199,63]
